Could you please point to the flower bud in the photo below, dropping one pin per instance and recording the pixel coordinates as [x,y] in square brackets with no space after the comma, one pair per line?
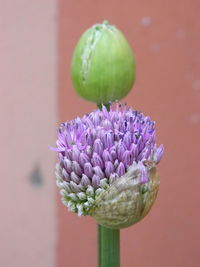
[103,65]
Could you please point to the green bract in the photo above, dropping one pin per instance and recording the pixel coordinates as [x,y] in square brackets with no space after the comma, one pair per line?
[103,65]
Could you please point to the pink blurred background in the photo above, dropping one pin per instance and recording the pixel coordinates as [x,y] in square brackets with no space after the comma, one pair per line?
[37,39]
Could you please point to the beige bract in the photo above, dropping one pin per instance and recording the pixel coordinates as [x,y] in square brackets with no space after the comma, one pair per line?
[126,201]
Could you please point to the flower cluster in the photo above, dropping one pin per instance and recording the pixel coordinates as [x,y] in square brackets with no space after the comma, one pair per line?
[99,148]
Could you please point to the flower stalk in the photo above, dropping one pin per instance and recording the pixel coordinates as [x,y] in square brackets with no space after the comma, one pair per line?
[108,240]
[109,247]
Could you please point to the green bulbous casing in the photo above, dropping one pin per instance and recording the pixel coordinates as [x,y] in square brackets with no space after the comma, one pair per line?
[103,65]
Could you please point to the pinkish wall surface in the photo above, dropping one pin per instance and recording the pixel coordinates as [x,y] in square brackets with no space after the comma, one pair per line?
[27,119]
[165,38]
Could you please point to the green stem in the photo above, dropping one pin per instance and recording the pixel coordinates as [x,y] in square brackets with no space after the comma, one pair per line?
[109,239]
[109,247]
[107,105]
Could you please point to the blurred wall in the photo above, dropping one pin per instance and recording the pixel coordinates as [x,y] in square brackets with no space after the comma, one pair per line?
[27,119]
[165,38]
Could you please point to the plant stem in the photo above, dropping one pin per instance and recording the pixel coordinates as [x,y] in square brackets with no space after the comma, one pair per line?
[107,105]
[109,247]
[108,239]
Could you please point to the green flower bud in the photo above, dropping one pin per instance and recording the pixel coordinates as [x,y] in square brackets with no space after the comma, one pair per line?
[103,65]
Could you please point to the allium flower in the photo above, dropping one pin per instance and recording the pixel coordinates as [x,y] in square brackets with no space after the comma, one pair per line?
[107,165]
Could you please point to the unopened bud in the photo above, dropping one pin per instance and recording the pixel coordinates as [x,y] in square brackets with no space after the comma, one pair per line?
[103,65]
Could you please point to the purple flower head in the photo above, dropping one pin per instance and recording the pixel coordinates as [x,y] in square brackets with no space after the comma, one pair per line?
[103,145]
